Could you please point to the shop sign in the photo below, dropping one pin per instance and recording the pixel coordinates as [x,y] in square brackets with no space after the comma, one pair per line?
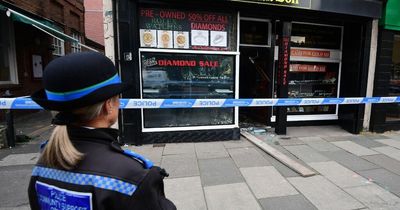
[306,4]
[179,29]
[284,61]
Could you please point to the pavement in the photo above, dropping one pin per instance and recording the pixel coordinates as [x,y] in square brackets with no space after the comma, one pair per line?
[353,171]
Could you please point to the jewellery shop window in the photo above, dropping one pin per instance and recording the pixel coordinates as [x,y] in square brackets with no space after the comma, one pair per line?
[314,66]
[187,55]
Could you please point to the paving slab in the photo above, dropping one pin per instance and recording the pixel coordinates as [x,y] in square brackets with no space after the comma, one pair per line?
[366,142]
[354,148]
[384,178]
[14,185]
[237,144]
[291,202]
[206,150]
[306,153]
[350,161]
[290,142]
[266,182]
[148,151]
[247,157]
[20,159]
[321,131]
[23,207]
[186,193]
[338,138]
[374,197]
[339,175]
[230,196]
[375,136]
[389,151]
[182,165]
[219,171]
[283,169]
[385,162]
[319,144]
[390,142]
[323,194]
[179,148]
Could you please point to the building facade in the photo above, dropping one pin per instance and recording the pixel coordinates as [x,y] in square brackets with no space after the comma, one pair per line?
[386,117]
[25,49]
[241,49]
[94,28]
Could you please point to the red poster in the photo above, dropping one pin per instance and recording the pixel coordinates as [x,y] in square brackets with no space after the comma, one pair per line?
[310,53]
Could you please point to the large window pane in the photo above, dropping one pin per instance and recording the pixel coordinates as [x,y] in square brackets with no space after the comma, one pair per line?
[180,76]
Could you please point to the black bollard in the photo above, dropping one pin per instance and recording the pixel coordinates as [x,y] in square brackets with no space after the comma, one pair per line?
[10,133]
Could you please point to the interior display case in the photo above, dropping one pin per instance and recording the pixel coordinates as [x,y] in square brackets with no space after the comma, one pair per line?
[313,79]
[315,64]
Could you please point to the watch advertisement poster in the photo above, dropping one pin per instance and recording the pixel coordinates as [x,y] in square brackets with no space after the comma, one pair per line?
[180,29]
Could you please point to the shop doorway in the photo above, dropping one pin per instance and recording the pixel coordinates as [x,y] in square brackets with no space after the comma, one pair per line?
[256,69]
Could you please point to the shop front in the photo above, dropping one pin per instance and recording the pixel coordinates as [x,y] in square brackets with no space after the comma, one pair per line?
[387,77]
[241,49]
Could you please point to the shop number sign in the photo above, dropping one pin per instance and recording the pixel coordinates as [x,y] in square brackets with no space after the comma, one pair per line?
[196,30]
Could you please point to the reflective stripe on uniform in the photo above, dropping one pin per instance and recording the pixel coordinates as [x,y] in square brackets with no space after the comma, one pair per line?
[102,182]
[146,162]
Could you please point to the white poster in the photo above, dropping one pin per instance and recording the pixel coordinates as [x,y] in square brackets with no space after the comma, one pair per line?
[148,38]
[219,39]
[164,39]
[200,38]
[181,39]
[37,66]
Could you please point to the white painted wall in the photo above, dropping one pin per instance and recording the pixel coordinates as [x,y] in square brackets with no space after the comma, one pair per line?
[371,73]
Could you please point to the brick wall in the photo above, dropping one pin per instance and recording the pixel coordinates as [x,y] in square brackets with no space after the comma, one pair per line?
[94,21]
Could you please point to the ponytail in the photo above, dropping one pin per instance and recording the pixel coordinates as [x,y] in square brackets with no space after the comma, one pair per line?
[59,151]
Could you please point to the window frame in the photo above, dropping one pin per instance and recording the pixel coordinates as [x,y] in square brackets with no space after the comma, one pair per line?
[12,57]
[234,52]
[56,46]
[75,47]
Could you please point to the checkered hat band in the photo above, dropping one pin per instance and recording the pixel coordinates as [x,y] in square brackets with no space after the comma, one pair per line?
[102,182]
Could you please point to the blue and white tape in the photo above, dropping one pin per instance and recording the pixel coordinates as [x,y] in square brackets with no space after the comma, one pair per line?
[27,103]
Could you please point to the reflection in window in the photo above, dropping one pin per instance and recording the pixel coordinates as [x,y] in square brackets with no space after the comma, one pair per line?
[316,36]
[393,111]
[254,32]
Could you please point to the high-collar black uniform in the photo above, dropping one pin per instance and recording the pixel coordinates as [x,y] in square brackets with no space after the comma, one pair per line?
[113,179]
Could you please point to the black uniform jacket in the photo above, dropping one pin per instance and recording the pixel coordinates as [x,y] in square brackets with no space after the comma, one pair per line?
[106,178]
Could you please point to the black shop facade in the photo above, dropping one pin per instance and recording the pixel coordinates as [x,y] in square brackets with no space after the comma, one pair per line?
[241,49]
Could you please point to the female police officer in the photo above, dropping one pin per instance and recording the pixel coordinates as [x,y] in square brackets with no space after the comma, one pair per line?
[82,166]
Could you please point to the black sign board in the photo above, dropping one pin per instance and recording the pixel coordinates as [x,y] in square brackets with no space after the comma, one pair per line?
[181,29]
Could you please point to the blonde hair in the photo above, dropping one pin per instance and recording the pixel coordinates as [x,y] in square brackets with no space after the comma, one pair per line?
[59,151]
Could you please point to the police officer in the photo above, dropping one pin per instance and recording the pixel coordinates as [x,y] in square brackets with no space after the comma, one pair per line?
[82,166]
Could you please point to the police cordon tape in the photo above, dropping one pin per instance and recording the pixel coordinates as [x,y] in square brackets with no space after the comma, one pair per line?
[27,103]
